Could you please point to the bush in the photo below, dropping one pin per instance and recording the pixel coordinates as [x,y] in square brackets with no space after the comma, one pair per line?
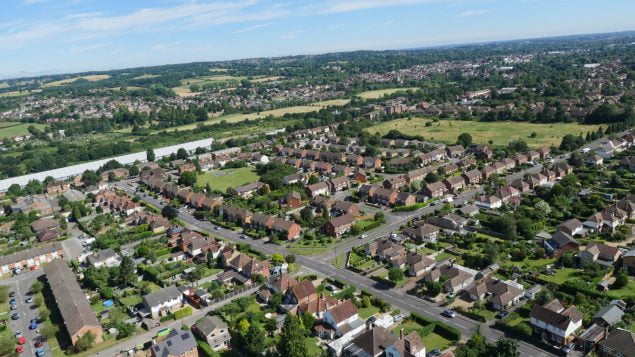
[442,329]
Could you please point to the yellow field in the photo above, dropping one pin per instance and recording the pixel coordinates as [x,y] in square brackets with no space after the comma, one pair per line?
[500,133]
[147,76]
[218,69]
[4,84]
[266,79]
[376,94]
[92,78]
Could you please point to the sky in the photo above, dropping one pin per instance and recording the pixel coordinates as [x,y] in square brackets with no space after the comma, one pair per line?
[61,36]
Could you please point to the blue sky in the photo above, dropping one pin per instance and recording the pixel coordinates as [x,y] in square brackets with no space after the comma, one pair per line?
[55,36]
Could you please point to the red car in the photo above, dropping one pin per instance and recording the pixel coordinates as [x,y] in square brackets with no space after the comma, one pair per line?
[21,340]
[38,344]
[19,349]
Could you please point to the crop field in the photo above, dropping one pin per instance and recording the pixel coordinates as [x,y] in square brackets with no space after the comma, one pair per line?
[184,89]
[500,133]
[147,76]
[91,78]
[223,179]
[375,94]
[4,84]
[19,93]
[13,129]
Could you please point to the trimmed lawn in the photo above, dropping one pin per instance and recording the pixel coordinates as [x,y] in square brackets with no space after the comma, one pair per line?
[11,129]
[131,300]
[532,263]
[484,312]
[431,341]
[626,292]
[375,94]
[366,312]
[500,133]
[560,276]
[223,179]
[339,261]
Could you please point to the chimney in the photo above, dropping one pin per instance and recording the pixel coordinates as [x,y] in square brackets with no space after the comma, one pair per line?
[401,336]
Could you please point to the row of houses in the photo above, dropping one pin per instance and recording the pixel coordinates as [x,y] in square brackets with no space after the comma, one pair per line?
[288,229]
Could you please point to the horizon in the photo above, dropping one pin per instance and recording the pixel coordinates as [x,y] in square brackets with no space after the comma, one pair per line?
[86,36]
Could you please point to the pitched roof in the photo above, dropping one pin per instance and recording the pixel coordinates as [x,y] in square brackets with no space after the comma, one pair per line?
[343,311]
[209,323]
[553,314]
[177,343]
[161,296]
[371,342]
[70,299]
[621,341]
[303,290]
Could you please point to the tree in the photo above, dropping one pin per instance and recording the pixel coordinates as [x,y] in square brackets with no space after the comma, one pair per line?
[127,275]
[620,281]
[255,340]
[292,338]
[133,171]
[90,178]
[38,301]
[308,321]
[7,344]
[170,212]
[181,154]
[124,329]
[37,286]
[505,347]
[48,331]
[395,274]
[188,178]
[476,346]
[44,313]
[290,258]
[243,326]
[433,288]
[150,155]
[379,217]
[85,342]
[464,139]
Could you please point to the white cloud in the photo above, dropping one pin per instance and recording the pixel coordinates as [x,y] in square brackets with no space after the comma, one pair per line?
[356,5]
[473,13]
[254,27]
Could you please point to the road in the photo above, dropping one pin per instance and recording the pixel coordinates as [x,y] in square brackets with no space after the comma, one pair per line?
[321,265]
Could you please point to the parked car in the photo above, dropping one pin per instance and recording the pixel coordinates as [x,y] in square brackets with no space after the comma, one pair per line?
[448,313]
[568,348]
[434,353]
[19,349]
[13,301]
[398,317]
[38,344]
[12,294]
[40,352]
[14,307]
[502,314]
[29,300]
[21,340]
[15,316]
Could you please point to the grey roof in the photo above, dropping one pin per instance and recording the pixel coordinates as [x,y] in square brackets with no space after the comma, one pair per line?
[210,323]
[176,343]
[74,195]
[160,296]
[101,256]
[610,314]
[75,170]
[621,341]
[70,299]
[30,253]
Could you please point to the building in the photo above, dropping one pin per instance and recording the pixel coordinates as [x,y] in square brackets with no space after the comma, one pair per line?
[32,257]
[318,189]
[600,253]
[423,233]
[107,257]
[177,343]
[555,324]
[456,277]
[434,190]
[248,190]
[378,341]
[78,316]
[502,294]
[214,331]
[163,302]
[618,343]
[337,226]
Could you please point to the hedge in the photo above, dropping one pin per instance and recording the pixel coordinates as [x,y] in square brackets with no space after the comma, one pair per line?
[205,348]
[447,331]
[183,313]
[410,208]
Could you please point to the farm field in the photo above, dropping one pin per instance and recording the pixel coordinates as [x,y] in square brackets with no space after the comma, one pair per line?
[500,133]
[184,89]
[375,94]
[147,76]
[223,179]
[12,129]
[91,78]
[19,94]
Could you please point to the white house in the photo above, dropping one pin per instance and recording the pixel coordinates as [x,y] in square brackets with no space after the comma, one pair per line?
[163,301]
[555,324]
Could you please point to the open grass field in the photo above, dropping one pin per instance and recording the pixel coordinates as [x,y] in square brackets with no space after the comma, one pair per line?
[235,118]
[4,84]
[19,94]
[223,179]
[147,76]
[12,129]
[91,78]
[184,89]
[375,94]
[500,133]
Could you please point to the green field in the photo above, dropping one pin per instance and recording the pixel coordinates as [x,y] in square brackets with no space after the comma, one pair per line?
[223,179]
[500,133]
[90,78]
[236,118]
[431,341]
[376,94]
[12,129]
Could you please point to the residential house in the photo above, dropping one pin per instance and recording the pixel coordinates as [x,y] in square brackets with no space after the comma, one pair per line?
[454,183]
[502,294]
[423,233]
[293,200]
[560,243]
[450,222]
[43,253]
[600,253]
[456,277]
[572,227]
[385,197]
[163,301]
[214,331]
[317,189]
[341,321]
[104,258]
[378,341]
[455,151]
[472,177]
[434,190]
[249,190]
[339,184]
[554,323]
[345,207]
[405,199]
[338,226]
[618,343]
[177,343]
[489,201]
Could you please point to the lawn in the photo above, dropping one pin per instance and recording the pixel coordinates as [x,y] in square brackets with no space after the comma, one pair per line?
[12,129]
[132,300]
[532,263]
[500,133]
[560,276]
[376,94]
[627,292]
[312,347]
[366,312]
[223,179]
[431,341]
